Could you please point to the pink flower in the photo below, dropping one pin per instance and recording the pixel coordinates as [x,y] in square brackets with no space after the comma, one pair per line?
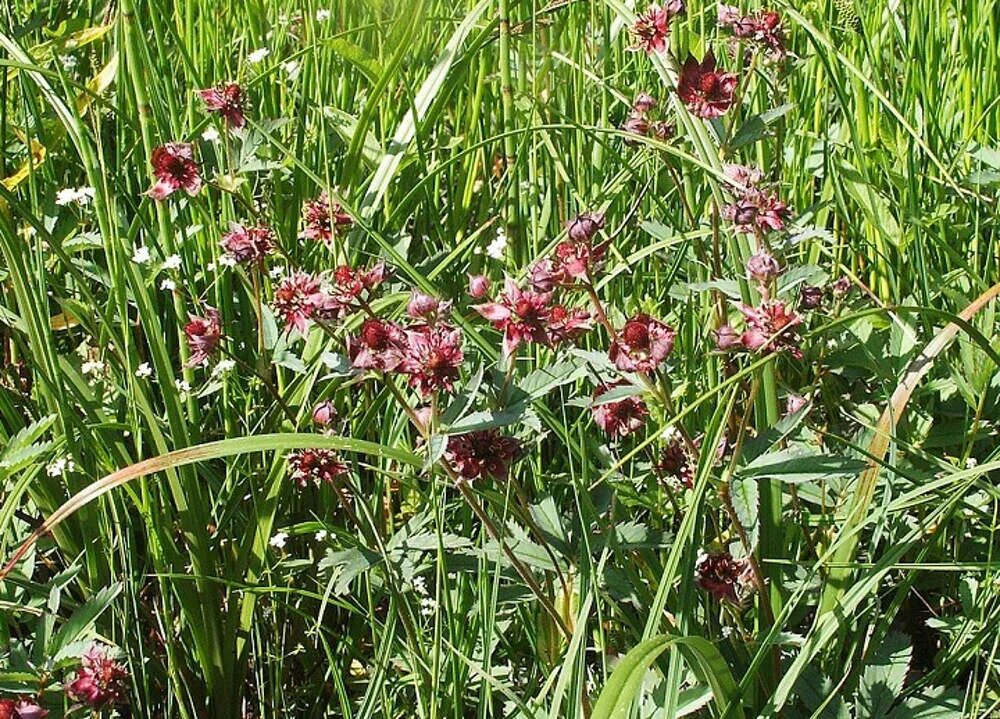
[644,102]
[762,27]
[427,308]
[620,417]
[585,226]
[742,177]
[636,124]
[726,338]
[203,335]
[324,413]
[100,682]
[379,345]
[299,299]
[315,466]
[722,576]
[523,315]
[482,454]
[642,345]
[706,92]
[652,28]
[24,709]
[566,325]
[479,286]
[227,100]
[762,267]
[248,245]
[771,327]
[174,169]
[542,275]
[432,358]
[324,219]
[795,402]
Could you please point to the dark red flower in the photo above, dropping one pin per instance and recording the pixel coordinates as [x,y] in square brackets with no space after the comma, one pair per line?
[706,92]
[757,212]
[315,466]
[432,358]
[675,463]
[203,335]
[637,124]
[652,28]
[722,576]
[542,275]
[523,315]
[227,100]
[762,27]
[299,299]
[742,177]
[324,219]
[642,344]
[771,327]
[380,345]
[174,169]
[566,324]
[248,244]
[100,682]
[810,297]
[618,417]
[482,454]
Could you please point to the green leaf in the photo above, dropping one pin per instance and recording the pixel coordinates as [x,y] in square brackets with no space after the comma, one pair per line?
[706,662]
[797,464]
[82,620]
[757,126]
[745,496]
[884,676]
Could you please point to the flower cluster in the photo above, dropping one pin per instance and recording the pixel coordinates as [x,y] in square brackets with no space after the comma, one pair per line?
[100,681]
[618,415]
[674,464]
[641,120]
[762,28]
[652,28]
[755,210]
[302,298]
[529,315]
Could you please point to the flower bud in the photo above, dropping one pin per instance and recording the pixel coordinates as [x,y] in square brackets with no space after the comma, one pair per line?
[479,286]
[324,413]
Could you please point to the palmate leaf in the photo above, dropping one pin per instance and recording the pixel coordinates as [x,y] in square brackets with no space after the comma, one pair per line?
[884,676]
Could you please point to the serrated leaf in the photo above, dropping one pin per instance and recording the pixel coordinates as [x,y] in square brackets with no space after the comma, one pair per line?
[884,675]
[745,496]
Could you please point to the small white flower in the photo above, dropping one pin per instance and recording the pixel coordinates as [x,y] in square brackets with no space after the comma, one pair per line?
[420,585]
[320,536]
[227,261]
[92,367]
[68,61]
[210,135]
[290,67]
[172,263]
[56,468]
[223,366]
[258,55]
[85,195]
[141,255]
[65,196]
[497,247]
[183,386]
[971,462]
[428,605]
[669,434]
[278,540]
[322,15]
[277,272]
[168,284]
[143,370]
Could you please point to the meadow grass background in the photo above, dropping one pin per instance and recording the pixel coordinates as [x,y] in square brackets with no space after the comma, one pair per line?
[885,144]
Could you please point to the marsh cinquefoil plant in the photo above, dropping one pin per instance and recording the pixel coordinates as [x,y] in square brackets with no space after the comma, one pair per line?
[499,359]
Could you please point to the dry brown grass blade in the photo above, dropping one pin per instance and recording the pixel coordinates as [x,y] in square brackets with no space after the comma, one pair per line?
[848,536]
